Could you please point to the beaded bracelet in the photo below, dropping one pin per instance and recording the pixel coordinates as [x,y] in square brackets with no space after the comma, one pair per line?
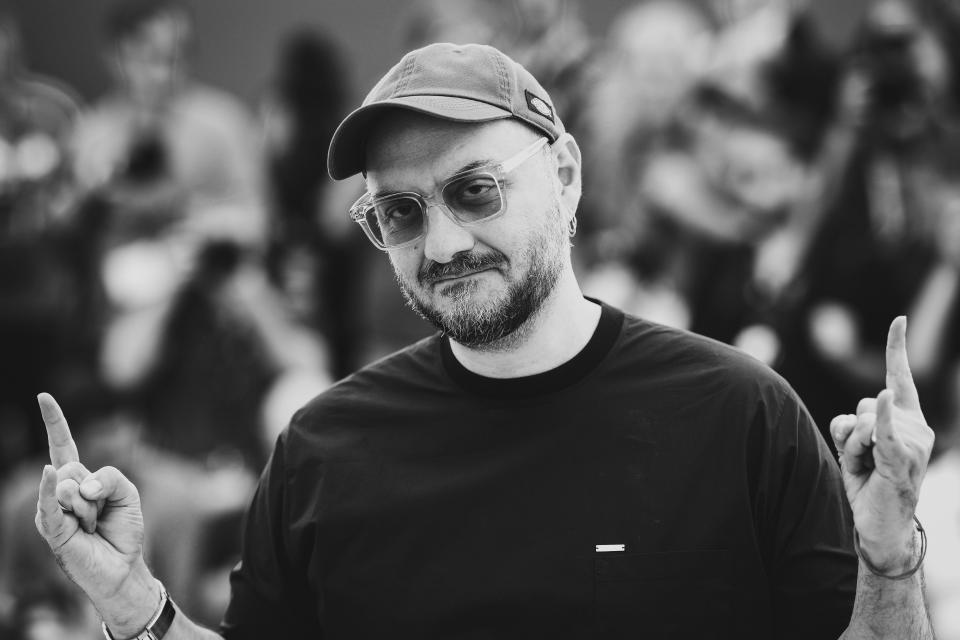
[902,576]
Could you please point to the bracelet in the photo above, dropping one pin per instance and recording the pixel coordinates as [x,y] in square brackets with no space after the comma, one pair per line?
[159,622]
[904,575]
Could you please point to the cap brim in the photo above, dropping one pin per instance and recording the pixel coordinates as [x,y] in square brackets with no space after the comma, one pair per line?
[347,153]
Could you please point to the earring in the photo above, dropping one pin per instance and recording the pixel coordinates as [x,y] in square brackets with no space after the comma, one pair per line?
[572,226]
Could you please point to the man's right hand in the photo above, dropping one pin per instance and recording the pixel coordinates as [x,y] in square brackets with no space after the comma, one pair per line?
[94,526]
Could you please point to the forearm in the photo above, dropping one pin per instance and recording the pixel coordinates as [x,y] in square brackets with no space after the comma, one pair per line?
[888,609]
[182,628]
[128,612]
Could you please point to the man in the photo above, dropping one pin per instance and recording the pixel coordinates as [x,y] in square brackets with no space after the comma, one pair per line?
[164,148]
[544,467]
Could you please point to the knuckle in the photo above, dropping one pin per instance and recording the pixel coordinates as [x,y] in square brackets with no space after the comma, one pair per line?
[74,470]
[67,488]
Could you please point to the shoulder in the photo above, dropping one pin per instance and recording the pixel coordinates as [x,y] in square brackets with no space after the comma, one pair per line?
[393,381]
[677,358]
[705,389]
[208,103]
[51,95]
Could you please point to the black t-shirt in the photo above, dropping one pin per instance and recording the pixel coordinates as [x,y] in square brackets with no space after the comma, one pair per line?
[417,499]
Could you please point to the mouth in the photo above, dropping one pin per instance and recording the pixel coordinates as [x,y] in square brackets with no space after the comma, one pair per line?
[458,276]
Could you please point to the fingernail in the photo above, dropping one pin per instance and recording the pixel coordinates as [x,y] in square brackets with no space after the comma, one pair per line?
[47,409]
[91,488]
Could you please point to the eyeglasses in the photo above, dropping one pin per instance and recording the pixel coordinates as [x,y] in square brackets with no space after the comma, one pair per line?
[397,220]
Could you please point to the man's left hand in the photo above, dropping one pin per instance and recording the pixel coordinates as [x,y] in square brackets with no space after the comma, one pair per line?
[884,450]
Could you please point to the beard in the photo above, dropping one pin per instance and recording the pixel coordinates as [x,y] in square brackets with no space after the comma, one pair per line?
[489,324]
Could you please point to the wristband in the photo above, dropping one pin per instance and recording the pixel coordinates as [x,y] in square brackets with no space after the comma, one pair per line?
[159,623]
[900,576]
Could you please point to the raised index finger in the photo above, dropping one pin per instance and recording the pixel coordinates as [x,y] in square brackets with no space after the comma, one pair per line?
[899,378]
[62,447]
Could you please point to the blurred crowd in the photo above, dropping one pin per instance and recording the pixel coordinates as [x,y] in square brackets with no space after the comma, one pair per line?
[178,270]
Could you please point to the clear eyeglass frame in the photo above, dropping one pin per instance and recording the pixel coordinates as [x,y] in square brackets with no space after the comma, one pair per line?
[360,208]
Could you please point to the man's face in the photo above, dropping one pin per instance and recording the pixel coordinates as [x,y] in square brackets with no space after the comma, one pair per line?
[479,284]
[150,61]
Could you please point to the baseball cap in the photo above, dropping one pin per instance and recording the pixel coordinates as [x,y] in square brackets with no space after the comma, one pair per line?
[463,83]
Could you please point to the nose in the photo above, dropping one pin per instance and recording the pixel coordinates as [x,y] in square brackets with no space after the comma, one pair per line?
[443,237]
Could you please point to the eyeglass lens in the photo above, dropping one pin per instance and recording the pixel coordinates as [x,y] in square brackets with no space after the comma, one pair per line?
[395,220]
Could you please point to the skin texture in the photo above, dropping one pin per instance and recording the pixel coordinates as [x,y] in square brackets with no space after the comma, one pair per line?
[884,449]
[483,283]
[529,242]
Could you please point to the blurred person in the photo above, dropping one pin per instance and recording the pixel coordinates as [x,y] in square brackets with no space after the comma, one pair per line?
[546,36]
[454,21]
[312,256]
[935,334]
[735,164]
[549,38]
[639,80]
[197,343]
[162,144]
[881,218]
[173,169]
[41,325]
[545,464]
[651,59]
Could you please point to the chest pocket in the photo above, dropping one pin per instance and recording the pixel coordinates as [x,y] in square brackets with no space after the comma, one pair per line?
[682,594]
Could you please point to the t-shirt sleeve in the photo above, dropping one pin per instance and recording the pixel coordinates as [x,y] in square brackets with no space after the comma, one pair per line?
[806,527]
[269,591]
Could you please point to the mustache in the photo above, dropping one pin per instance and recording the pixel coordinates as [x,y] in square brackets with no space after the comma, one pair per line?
[460,264]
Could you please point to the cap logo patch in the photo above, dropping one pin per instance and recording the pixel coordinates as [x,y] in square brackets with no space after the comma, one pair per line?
[539,105]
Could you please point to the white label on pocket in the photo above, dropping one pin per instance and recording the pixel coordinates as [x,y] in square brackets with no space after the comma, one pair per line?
[604,548]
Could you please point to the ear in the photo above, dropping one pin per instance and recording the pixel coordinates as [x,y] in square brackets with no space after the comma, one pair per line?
[566,153]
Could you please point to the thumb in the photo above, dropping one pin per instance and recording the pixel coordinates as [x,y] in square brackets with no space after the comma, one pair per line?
[884,431]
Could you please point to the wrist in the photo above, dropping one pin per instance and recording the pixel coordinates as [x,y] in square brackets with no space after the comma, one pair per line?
[896,559]
[889,559]
[135,603]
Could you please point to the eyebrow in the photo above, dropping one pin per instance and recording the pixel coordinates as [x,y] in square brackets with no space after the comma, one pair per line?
[470,166]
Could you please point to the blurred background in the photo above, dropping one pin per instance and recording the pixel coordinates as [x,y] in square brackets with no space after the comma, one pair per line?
[178,270]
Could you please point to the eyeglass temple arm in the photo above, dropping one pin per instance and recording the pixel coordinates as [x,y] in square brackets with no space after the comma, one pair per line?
[523,156]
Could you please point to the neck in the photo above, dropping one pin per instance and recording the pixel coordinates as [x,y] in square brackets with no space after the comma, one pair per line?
[556,333]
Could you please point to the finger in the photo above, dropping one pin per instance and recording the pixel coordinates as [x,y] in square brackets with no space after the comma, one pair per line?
[840,429]
[110,485]
[73,471]
[867,405]
[857,452]
[69,499]
[885,431]
[899,378]
[62,447]
[51,521]
[862,435]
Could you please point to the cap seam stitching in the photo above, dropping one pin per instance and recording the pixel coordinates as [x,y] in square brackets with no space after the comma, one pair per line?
[504,81]
[405,75]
